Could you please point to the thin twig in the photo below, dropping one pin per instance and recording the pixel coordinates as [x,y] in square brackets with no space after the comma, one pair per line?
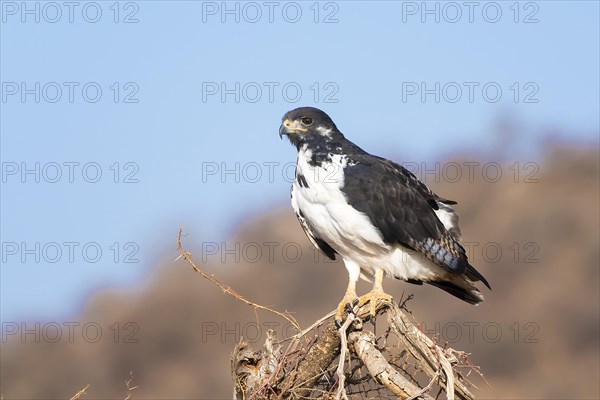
[426,388]
[130,388]
[315,325]
[187,256]
[78,395]
[341,392]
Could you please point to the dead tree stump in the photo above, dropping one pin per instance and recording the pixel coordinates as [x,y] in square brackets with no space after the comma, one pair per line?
[399,362]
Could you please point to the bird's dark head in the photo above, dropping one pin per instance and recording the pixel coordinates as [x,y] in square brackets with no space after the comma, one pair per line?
[308,124]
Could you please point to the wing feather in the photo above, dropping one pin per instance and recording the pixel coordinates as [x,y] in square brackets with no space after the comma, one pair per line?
[314,239]
[403,209]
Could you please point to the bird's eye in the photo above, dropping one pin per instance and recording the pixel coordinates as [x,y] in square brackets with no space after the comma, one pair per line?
[306,121]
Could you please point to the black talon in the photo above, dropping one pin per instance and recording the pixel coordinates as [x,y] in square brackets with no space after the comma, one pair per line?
[349,308]
[354,302]
[338,324]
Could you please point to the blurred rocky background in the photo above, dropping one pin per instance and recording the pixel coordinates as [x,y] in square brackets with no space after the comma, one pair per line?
[533,231]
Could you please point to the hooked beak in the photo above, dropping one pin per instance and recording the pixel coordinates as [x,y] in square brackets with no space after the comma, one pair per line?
[283,131]
[288,127]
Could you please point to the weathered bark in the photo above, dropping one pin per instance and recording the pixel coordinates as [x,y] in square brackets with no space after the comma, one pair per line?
[245,369]
[323,352]
[252,370]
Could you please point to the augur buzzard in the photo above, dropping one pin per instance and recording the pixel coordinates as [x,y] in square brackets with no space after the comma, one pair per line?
[373,213]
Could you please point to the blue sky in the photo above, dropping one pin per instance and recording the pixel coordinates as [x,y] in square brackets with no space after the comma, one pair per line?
[162,104]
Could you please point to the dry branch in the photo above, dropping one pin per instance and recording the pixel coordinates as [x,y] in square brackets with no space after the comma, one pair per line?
[187,256]
[426,353]
[363,345]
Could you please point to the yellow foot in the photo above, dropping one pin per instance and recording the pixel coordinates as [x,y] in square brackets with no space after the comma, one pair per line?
[374,297]
[346,305]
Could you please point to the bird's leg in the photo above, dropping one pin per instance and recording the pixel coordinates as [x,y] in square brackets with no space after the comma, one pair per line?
[376,294]
[349,301]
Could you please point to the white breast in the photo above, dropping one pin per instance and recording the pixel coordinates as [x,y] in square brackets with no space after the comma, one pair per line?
[326,209]
[347,230]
